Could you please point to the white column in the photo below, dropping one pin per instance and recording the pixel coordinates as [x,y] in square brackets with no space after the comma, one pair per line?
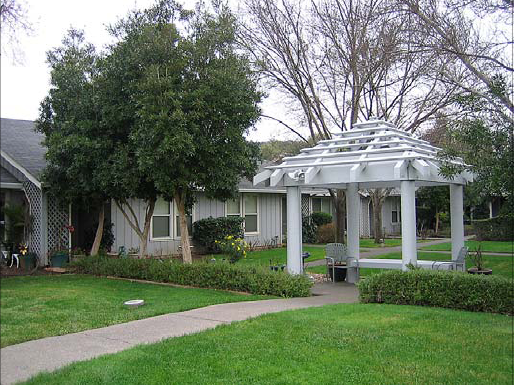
[457,218]
[409,253]
[44,229]
[294,230]
[353,228]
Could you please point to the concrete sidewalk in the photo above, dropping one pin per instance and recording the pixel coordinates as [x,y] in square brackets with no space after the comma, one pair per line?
[22,361]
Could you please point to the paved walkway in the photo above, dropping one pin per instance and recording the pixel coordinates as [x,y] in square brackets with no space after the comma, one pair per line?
[22,361]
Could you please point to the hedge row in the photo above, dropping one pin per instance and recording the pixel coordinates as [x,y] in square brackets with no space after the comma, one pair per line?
[494,229]
[222,276]
[440,289]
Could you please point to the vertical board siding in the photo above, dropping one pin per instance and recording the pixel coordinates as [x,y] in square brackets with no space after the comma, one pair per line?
[269,223]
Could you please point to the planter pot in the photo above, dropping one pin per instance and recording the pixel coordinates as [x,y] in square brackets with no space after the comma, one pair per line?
[28,261]
[339,273]
[474,270]
[59,259]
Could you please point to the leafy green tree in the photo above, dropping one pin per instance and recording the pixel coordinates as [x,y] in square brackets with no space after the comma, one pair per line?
[275,150]
[78,144]
[195,106]
[188,98]
[484,139]
[435,201]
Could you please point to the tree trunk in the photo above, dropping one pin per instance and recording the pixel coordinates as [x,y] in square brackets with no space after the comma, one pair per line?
[437,222]
[99,231]
[377,219]
[339,199]
[184,232]
[143,238]
[134,223]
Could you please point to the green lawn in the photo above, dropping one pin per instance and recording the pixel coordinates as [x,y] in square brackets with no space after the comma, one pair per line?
[336,344]
[501,265]
[277,256]
[487,246]
[43,306]
[370,243]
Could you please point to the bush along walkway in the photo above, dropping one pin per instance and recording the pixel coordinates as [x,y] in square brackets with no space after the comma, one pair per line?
[22,361]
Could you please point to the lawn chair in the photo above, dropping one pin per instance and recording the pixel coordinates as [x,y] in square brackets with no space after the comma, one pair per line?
[459,262]
[122,253]
[336,256]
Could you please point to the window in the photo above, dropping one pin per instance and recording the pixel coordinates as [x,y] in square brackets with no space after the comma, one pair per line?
[234,208]
[189,219]
[321,204]
[250,213]
[395,211]
[161,220]
[246,207]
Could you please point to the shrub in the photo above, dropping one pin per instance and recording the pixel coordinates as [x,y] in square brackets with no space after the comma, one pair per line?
[446,289]
[494,229]
[207,231]
[308,230]
[326,233]
[321,218]
[236,248]
[222,276]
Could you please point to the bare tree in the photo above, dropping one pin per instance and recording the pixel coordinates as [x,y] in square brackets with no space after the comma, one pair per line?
[340,61]
[15,20]
[453,31]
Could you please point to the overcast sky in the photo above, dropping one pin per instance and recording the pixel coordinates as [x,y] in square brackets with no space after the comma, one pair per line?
[25,84]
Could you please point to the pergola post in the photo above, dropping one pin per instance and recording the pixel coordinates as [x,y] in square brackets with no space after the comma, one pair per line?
[457,218]
[294,230]
[353,228]
[409,253]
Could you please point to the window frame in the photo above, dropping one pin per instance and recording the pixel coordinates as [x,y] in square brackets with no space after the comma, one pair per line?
[321,198]
[242,212]
[170,216]
[256,214]
[396,206]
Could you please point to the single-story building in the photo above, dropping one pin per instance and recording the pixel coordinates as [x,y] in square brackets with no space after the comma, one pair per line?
[262,206]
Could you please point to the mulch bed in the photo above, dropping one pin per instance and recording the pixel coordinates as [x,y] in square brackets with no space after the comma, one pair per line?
[14,272]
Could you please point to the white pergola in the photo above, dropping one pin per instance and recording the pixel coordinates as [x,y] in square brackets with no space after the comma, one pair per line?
[374,154]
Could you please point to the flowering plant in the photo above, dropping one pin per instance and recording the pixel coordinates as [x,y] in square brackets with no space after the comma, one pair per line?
[235,248]
[23,249]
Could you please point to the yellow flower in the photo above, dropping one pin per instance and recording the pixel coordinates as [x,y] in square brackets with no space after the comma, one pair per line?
[238,248]
[233,243]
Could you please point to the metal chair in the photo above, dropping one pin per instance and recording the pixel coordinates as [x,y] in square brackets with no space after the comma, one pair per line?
[5,256]
[459,262]
[336,253]
[17,258]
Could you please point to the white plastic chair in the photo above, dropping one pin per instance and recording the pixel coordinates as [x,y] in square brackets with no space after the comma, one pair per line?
[459,262]
[336,253]
[17,258]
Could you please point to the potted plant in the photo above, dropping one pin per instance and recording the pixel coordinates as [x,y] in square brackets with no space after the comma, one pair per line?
[27,260]
[478,262]
[59,257]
